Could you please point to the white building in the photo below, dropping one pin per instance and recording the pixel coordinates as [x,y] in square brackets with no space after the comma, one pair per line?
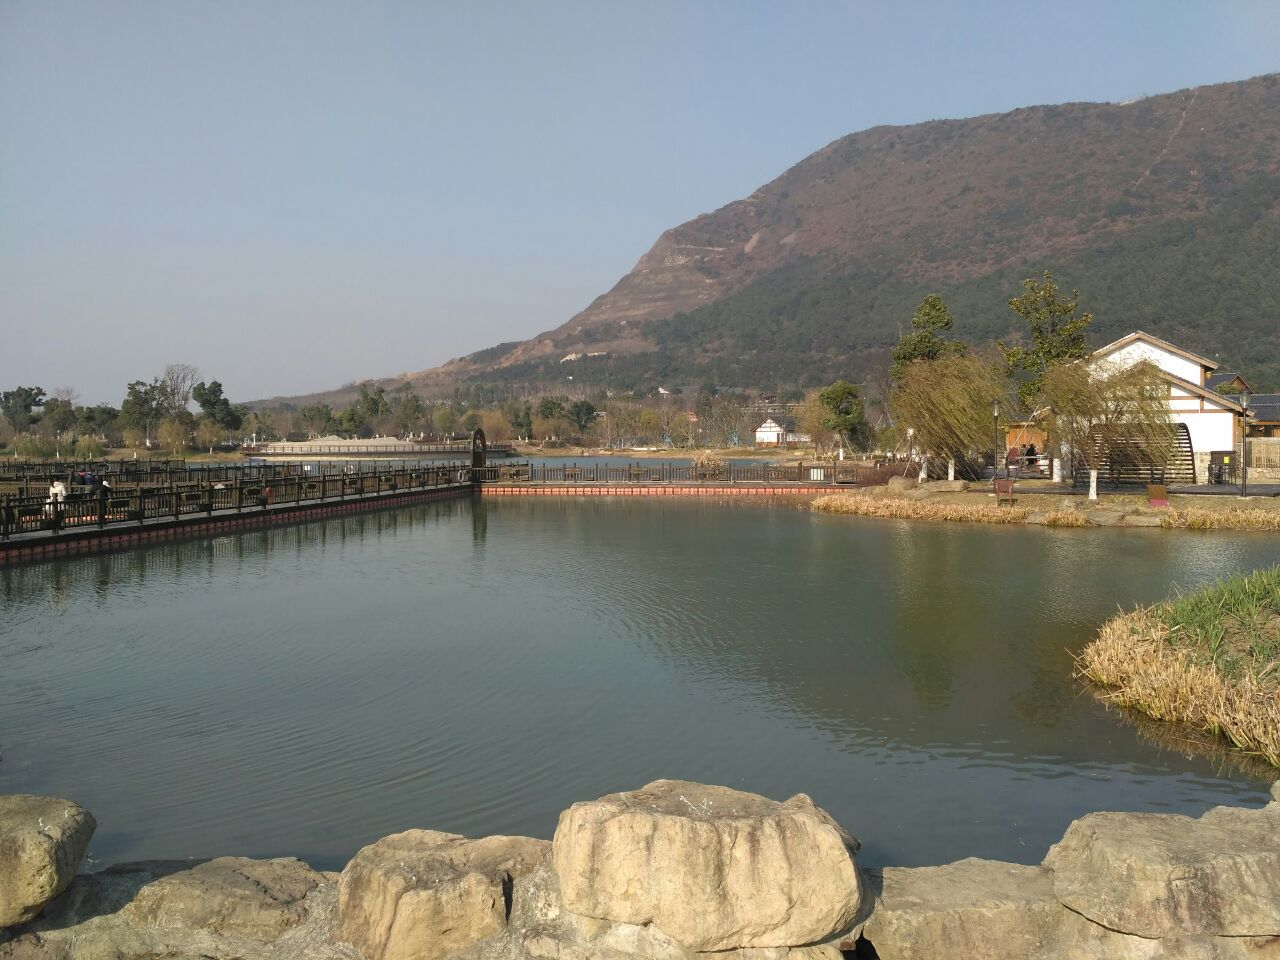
[779,431]
[1212,420]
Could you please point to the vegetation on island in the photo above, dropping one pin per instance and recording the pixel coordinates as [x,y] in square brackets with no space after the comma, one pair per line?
[1210,659]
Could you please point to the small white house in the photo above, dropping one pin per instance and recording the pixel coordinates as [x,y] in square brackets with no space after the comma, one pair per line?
[1213,421]
[779,431]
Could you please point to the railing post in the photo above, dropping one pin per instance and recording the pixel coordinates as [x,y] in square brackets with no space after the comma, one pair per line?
[4,518]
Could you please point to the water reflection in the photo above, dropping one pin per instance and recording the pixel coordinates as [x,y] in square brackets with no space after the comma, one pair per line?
[478,666]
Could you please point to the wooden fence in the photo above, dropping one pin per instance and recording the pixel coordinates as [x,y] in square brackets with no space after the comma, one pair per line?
[103,506]
[1263,453]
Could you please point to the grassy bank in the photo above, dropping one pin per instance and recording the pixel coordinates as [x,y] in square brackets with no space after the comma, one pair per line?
[896,508]
[1198,518]
[1209,659]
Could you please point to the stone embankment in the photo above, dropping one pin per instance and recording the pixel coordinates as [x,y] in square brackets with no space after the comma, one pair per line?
[673,871]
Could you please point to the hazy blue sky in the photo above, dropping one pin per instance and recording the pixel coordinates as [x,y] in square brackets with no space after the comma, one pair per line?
[292,195]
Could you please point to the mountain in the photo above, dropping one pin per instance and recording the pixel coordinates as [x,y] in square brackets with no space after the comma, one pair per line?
[1164,211]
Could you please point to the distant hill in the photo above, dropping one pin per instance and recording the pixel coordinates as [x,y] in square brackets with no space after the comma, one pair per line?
[1165,212]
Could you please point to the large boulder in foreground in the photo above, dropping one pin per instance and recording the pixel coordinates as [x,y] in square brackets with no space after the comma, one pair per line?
[971,908]
[42,841]
[422,895]
[231,908]
[713,868]
[1167,875]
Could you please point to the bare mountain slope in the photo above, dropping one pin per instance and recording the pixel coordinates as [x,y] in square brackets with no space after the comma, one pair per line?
[1165,211]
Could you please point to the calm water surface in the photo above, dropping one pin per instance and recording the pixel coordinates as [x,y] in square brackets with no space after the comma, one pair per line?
[477,667]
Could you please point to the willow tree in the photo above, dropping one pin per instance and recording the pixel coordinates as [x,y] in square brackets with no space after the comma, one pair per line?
[947,404]
[1107,412]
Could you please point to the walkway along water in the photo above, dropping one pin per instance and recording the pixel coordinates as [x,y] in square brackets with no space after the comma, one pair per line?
[166,499]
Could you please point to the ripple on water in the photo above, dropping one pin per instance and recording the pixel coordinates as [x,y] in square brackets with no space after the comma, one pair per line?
[478,667]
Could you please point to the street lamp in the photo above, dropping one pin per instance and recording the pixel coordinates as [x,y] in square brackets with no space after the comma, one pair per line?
[996,445]
[1244,440]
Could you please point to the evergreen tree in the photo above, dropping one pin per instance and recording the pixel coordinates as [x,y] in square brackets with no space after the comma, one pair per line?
[925,341]
[1057,334]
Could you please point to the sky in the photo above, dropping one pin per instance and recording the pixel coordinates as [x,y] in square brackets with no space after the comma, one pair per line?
[295,195]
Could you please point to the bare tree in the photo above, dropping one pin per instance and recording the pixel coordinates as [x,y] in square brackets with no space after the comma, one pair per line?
[178,380]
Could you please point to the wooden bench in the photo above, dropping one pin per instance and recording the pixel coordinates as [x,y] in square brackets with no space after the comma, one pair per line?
[1004,492]
[1157,495]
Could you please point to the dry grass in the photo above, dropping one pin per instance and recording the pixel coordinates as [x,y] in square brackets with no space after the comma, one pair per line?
[896,508]
[1210,660]
[1198,518]
[1066,518]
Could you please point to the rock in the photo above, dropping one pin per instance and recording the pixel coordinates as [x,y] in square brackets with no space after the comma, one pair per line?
[1142,520]
[972,909]
[1104,518]
[258,899]
[946,486]
[42,841]
[714,868]
[221,909]
[1275,792]
[1079,939]
[1166,875]
[421,895]
[918,494]
[1039,517]
[899,484]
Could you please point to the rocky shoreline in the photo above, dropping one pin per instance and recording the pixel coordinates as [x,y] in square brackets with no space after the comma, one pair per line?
[672,871]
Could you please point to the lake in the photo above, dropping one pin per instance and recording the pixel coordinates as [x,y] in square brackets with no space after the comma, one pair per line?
[477,666]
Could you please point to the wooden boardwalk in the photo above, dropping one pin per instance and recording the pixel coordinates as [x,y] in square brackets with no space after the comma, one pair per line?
[158,500]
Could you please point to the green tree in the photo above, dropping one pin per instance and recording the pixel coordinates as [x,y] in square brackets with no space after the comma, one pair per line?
[551,408]
[581,413]
[925,341]
[409,412]
[17,404]
[143,406]
[58,416]
[521,417]
[845,413]
[1057,334]
[217,407]
[315,418]
[446,419]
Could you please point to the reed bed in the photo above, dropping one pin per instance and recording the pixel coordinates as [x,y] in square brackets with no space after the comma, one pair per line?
[1197,518]
[1066,518]
[897,508]
[1209,659]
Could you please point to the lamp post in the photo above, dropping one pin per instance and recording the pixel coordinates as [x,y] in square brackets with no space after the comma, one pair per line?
[1244,440]
[996,445]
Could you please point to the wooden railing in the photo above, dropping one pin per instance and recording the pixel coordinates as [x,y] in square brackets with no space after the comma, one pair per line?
[106,505]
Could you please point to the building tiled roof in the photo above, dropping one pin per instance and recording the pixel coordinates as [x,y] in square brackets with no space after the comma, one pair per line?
[1215,380]
[1265,406]
[788,424]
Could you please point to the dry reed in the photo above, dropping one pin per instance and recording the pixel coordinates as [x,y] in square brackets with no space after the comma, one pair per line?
[1066,518]
[896,508]
[1139,666]
[1197,518]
